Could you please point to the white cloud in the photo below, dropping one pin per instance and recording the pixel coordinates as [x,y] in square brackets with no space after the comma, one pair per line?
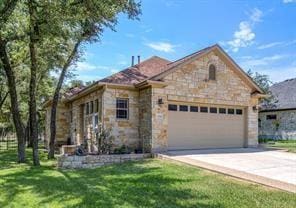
[269,45]
[256,15]
[278,74]
[162,46]
[249,62]
[87,67]
[289,1]
[279,43]
[245,36]
[130,35]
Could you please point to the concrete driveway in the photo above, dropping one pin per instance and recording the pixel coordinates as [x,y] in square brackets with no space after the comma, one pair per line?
[269,167]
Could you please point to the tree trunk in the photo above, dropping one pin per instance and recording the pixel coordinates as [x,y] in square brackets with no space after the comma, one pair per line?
[56,100]
[28,137]
[33,79]
[14,102]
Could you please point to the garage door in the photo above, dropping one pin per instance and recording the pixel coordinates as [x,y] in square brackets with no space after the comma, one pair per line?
[202,126]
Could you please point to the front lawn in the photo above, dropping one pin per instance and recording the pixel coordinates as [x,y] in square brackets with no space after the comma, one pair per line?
[289,145]
[151,183]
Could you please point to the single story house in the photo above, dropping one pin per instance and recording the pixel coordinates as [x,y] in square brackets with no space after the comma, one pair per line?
[203,100]
[277,119]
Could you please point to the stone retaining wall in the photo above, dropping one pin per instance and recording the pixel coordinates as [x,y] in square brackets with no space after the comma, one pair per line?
[92,161]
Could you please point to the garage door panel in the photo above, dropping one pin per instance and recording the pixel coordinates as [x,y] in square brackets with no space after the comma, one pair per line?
[195,130]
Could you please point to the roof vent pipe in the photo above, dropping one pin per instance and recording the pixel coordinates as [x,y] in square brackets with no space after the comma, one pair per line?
[139,59]
[133,60]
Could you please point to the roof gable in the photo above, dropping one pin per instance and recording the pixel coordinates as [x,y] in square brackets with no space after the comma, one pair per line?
[222,54]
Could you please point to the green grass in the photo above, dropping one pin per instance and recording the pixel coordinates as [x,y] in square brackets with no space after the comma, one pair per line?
[289,145]
[151,183]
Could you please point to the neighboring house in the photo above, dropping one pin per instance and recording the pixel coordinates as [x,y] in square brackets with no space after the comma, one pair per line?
[277,120]
[204,100]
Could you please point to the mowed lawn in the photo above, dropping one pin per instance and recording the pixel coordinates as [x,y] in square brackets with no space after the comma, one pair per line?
[289,145]
[151,183]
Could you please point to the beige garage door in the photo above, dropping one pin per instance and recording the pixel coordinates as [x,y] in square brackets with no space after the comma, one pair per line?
[202,126]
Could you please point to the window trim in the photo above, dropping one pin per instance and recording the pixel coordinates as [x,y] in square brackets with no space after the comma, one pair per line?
[191,107]
[212,72]
[222,109]
[212,108]
[181,106]
[271,117]
[174,106]
[203,107]
[241,110]
[231,109]
[126,109]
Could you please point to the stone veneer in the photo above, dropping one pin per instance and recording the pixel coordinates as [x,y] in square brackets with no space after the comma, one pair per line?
[62,121]
[148,120]
[92,161]
[125,131]
[287,125]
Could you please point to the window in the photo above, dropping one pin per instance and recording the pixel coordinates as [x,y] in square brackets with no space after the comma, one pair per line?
[91,106]
[183,108]
[222,110]
[271,117]
[213,110]
[87,108]
[212,72]
[230,111]
[71,116]
[193,109]
[239,112]
[204,109]
[122,108]
[172,107]
[96,105]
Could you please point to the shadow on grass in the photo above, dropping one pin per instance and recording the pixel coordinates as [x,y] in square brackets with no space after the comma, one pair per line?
[140,184]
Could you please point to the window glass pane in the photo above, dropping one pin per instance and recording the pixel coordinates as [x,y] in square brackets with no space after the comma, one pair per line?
[239,111]
[222,110]
[212,72]
[121,113]
[96,106]
[193,109]
[122,108]
[271,117]
[230,111]
[204,109]
[213,110]
[172,107]
[91,106]
[121,103]
[87,108]
[183,108]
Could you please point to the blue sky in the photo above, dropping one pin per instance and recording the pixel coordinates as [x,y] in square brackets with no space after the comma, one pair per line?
[258,35]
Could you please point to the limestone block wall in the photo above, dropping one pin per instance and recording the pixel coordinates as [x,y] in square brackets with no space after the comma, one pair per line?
[81,125]
[145,118]
[62,123]
[190,84]
[125,131]
[286,125]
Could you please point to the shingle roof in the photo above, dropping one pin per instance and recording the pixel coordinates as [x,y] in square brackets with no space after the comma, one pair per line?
[138,72]
[284,95]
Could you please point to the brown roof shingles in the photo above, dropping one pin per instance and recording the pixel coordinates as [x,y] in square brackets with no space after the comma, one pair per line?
[138,72]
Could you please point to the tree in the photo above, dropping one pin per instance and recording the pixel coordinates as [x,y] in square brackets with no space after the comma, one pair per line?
[262,80]
[90,18]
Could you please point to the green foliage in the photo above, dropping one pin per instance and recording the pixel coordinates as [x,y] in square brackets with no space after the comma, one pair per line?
[262,80]
[105,141]
[150,183]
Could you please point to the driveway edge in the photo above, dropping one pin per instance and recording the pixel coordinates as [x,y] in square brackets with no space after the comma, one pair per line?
[231,172]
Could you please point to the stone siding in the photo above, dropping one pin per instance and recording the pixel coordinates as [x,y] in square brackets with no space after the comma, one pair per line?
[190,83]
[125,131]
[62,123]
[82,125]
[92,161]
[145,118]
[286,128]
